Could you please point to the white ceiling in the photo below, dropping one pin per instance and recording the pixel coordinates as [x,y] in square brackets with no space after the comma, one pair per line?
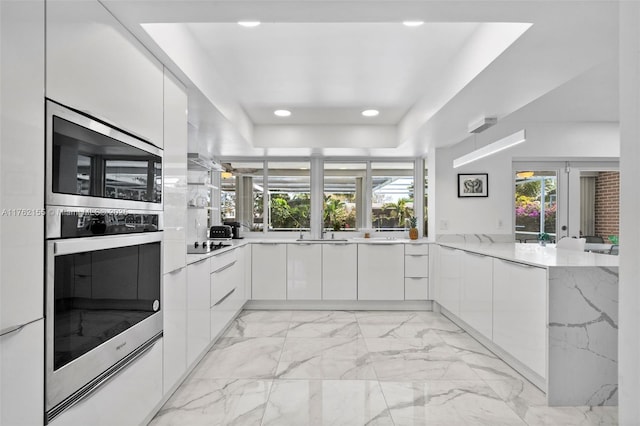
[327,73]
[328,60]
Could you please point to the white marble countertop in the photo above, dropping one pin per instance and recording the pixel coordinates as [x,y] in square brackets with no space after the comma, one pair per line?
[193,258]
[536,255]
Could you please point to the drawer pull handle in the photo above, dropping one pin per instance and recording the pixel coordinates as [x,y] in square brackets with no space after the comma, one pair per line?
[225,297]
[225,267]
[16,328]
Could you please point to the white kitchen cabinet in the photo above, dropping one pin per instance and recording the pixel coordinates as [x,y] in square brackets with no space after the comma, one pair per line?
[519,312]
[339,271]
[304,271]
[22,376]
[21,162]
[95,65]
[449,279]
[198,307]
[476,292]
[416,271]
[246,250]
[125,400]
[226,289]
[174,308]
[269,271]
[175,175]
[380,271]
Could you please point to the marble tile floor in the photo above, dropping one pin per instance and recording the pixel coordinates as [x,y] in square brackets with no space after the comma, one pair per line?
[300,368]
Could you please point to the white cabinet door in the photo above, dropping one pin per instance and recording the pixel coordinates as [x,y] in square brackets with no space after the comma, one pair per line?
[416,288]
[175,175]
[448,279]
[304,271]
[198,307]
[520,312]
[269,271]
[226,290]
[339,271]
[476,295]
[380,271]
[22,376]
[174,308]
[416,265]
[125,400]
[95,65]
[21,162]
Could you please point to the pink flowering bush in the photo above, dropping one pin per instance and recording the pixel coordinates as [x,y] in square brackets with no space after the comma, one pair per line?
[528,214]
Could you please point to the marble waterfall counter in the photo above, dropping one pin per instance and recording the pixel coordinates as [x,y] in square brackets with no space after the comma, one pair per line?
[582,319]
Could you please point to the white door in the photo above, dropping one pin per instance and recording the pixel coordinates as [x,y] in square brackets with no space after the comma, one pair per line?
[380,271]
[269,271]
[339,271]
[304,272]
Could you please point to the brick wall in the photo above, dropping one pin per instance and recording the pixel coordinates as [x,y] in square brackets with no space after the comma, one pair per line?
[607,204]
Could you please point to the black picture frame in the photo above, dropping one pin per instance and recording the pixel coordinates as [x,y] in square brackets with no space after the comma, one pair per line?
[473,185]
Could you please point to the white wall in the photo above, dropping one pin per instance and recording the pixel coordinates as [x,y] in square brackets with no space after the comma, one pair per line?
[629,295]
[546,141]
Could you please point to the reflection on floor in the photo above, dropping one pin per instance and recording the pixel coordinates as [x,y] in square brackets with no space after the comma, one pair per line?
[359,368]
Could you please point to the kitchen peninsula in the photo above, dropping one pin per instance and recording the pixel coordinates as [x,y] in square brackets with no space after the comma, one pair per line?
[551,313]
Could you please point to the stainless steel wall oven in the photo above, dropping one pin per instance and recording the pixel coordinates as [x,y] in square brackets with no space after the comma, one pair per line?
[103,253]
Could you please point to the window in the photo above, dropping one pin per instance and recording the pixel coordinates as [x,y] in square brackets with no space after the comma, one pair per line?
[392,195]
[344,185]
[426,199]
[289,187]
[241,194]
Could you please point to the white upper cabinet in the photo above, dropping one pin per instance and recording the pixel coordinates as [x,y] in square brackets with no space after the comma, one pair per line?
[339,271]
[175,174]
[96,66]
[269,271]
[380,271]
[21,162]
[304,272]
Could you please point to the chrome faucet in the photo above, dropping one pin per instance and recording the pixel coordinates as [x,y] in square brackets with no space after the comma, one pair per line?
[322,234]
[301,235]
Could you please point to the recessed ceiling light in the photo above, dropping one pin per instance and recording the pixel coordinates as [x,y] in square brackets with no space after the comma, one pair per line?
[282,112]
[412,23]
[249,24]
[370,112]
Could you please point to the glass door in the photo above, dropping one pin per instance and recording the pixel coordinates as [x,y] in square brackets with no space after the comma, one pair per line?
[536,204]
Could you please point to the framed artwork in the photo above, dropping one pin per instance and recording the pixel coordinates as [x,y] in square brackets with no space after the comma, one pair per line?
[473,185]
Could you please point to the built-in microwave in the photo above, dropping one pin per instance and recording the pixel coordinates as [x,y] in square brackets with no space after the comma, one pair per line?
[93,164]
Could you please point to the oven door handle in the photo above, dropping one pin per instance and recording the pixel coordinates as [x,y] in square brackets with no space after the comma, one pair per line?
[80,245]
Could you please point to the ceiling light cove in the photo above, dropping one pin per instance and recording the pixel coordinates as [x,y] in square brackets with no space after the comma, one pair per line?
[249,24]
[282,112]
[370,112]
[412,23]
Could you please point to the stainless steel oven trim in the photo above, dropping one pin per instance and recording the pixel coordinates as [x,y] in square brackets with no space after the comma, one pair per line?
[65,381]
[53,218]
[87,201]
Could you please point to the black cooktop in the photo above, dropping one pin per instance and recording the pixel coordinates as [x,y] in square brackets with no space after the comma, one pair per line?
[206,247]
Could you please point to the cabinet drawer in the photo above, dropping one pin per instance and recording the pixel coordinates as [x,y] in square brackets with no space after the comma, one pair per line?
[416,266]
[222,282]
[223,311]
[416,288]
[416,249]
[221,260]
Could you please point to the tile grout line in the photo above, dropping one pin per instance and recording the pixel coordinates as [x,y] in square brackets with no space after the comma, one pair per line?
[273,380]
